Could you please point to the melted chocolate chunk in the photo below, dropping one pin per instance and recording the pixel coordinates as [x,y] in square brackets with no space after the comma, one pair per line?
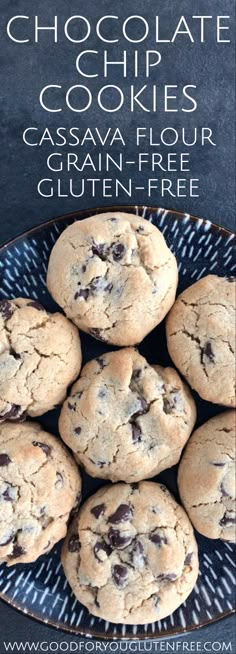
[122,514]
[35,305]
[98,510]
[188,558]
[77,431]
[208,352]
[158,540]
[136,433]
[4,460]
[100,249]
[17,551]
[59,480]
[74,544]
[137,554]
[83,292]
[117,540]
[101,546]
[83,268]
[227,520]
[6,309]
[119,575]
[118,250]
[136,374]
[46,448]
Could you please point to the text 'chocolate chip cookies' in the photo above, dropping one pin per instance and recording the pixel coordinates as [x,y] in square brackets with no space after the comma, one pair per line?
[131,556]
[201,337]
[40,355]
[39,486]
[114,276]
[206,477]
[126,420]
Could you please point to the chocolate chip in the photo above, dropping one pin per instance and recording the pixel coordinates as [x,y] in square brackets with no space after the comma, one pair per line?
[144,408]
[98,510]
[17,551]
[100,362]
[171,402]
[218,465]
[14,354]
[99,249]
[71,407]
[227,520]
[223,491]
[6,309]
[117,251]
[102,393]
[117,540]
[74,544]
[158,540]
[122,514]
[137,554]
[4,460]
[140,229]
[83,268]
[83,292]
[7,495]
[231,279]
[136,433]
[101,546]
[169,577]
[136,374]
[46,448]
[97,334]
[77,431]
[188,558]
[36,305]
[119,575]
[59,480]
[9,540]
[14,413]
[208,352]
[77,504]
[108,287]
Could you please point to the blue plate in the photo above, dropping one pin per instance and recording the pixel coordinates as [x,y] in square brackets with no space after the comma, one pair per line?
[40,589]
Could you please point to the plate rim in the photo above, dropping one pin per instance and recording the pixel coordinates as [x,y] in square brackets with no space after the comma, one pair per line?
[80,631]
[180,215]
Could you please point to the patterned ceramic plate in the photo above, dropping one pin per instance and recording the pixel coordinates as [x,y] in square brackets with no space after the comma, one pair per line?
[41,589]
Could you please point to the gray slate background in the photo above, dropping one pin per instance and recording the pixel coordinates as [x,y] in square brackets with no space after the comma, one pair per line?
[26,69]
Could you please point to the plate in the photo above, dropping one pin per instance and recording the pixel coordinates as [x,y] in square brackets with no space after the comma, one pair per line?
[41,589]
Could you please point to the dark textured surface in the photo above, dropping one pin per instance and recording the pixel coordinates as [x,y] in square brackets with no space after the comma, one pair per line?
[25,69]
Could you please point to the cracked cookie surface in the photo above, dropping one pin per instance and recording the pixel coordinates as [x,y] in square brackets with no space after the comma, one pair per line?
[206,477]
[40,355]
[130,556]
[39,486]
[114,276]
[201,338]
[126,420]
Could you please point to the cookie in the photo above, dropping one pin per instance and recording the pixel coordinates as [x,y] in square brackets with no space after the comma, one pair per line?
[40,355]
[39,486]
[114,276]
[206,477]
[201,338]
[131,556]
[126,420]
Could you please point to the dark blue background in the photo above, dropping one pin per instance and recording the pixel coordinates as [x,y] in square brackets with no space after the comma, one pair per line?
[25,69]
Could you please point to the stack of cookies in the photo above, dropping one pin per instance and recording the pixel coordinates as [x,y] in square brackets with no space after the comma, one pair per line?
[129,553]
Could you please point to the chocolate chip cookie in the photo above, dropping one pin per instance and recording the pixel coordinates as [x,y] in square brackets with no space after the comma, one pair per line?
[114,276]
[39,486]
[127,420]
[201,337]
[206,477]
[131,556]
[40,355]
